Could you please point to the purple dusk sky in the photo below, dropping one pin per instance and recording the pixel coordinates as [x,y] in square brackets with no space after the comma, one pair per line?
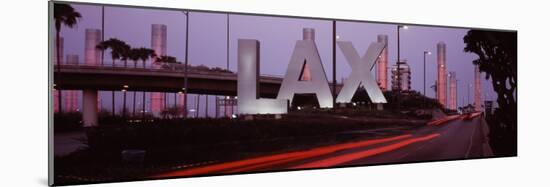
[277,36]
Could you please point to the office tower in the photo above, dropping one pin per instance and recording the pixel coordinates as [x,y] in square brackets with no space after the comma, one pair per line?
[441,74]
[382,64]
[405,72]
[477,89]
[71,96]
[307,34]
[158,44]
[92,55]
[452,90]
[72,59]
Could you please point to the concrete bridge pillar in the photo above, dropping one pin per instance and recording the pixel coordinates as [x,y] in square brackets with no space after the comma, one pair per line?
[89,108]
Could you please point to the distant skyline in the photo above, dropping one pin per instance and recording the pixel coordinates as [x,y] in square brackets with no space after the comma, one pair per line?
[277,36]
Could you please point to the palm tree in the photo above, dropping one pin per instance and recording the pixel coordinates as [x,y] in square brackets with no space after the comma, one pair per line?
[63,14]
[134,56]
[125,53]
[144,54]
[118,50]
[166,59]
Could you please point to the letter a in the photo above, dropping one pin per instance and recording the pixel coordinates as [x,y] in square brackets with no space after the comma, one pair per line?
[248,82]
[361,72]
[305,51]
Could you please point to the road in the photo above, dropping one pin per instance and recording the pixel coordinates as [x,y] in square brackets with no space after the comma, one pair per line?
[454,137]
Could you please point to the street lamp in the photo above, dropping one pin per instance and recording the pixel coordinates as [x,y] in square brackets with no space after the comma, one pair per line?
[227,43]
[186,60]
[399,27]
[334,38]
[425,53]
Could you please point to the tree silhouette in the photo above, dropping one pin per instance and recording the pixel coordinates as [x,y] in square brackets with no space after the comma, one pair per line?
[125,54]
[497,52]
[119,50]
[134,56]
[166,59]
[63,14]
[145,53]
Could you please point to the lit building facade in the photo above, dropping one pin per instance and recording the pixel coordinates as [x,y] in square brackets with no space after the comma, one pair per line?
[158,44]
[382,64]
[92,55]
[452,91]
[405,72]
[307,34]
[71,96]
[441,74]
[477,88]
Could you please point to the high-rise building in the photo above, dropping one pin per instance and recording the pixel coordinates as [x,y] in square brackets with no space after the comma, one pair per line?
[71,96]
[382,65]
[158,41]
[477,88]
[441,74]
[452,90]
[307,34]
[158,44]
[92,56]
[72,59]
[405,72]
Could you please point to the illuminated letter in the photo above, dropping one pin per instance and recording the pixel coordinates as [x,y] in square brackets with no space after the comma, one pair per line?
[361,72]
[248,83]
[305,51]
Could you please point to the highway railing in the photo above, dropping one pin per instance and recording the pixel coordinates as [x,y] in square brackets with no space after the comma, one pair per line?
[157,68]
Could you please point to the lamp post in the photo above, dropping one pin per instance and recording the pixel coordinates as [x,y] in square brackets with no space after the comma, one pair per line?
[227,43]
[124,101]
[425,53]
[334,37]
[399,27]
[186,62]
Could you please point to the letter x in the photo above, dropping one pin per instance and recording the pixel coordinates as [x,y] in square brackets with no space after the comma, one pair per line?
[361,72]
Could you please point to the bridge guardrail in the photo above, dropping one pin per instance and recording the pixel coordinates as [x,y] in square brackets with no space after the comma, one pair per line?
[161,68]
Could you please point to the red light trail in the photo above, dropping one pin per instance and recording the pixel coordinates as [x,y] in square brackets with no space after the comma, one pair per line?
[363,154]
